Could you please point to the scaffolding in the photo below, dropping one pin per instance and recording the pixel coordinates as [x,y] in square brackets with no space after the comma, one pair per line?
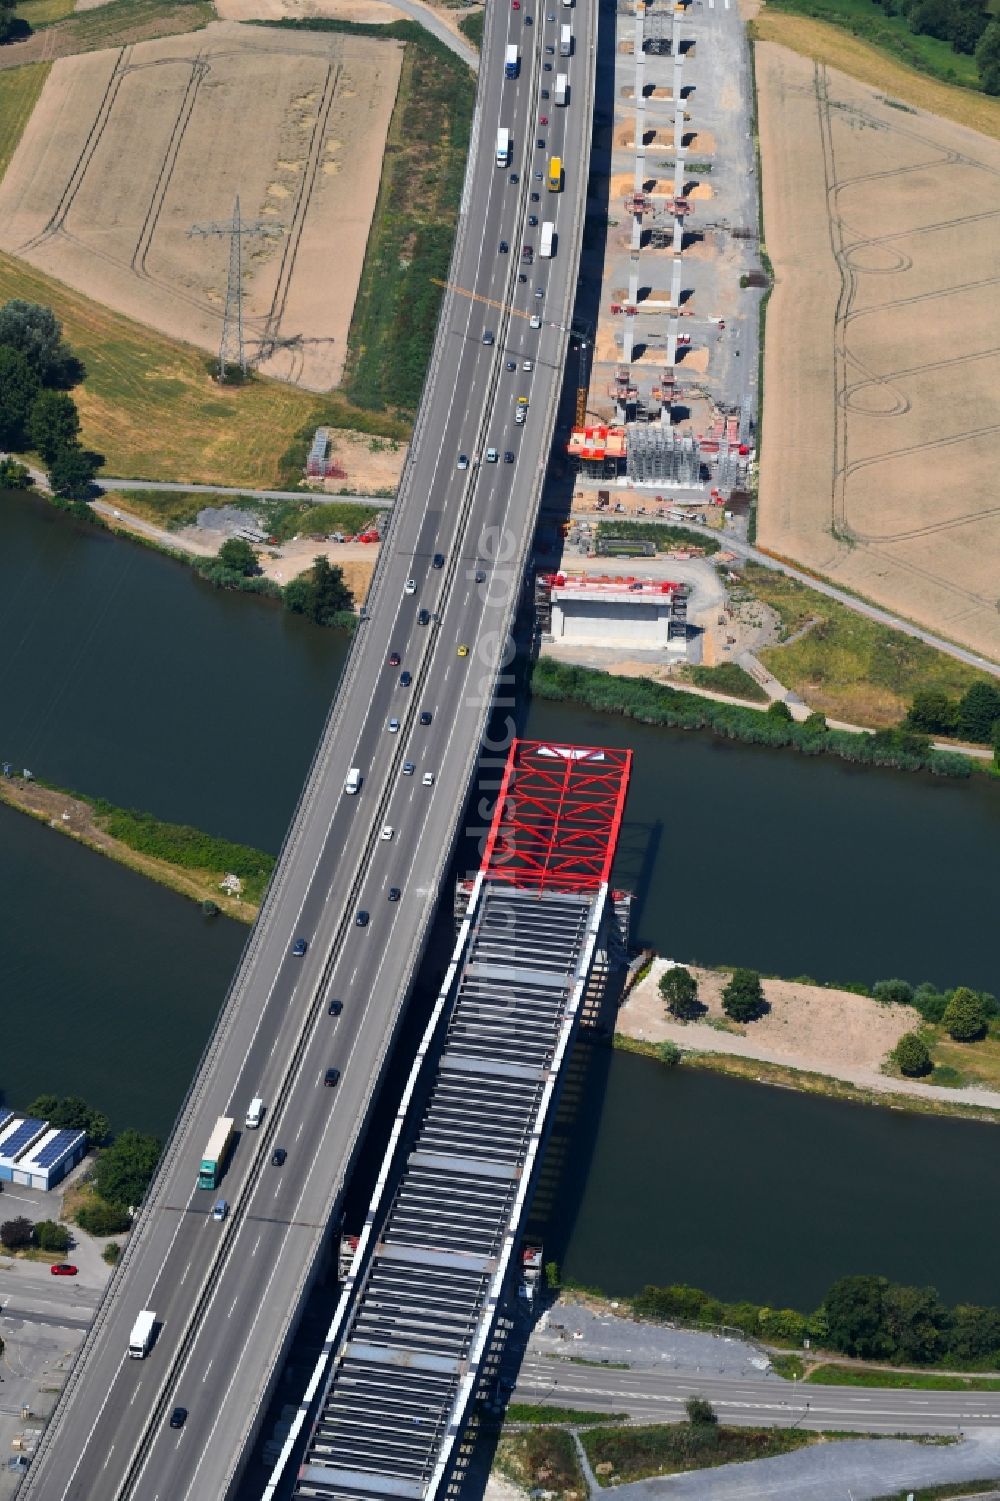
[656,454]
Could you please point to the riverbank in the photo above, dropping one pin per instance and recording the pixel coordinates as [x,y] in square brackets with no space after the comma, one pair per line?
[130,839]
[814,1038]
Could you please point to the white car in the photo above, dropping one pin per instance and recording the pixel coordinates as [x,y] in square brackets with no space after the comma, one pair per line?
[393,726]
[463,461]
[387,831]
[528,365]
[535,321]
[428,779]
[410,587]
[491,456]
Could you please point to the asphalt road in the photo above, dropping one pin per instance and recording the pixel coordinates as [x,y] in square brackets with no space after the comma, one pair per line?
[659,1397]
[224,1292]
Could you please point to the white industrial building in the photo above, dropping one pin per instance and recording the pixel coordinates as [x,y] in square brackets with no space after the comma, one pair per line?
[602,610]
[35,1154]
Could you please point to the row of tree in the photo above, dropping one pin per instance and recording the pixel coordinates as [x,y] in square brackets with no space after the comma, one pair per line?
[966,24]
[21,1235]
[743,998]
[320,593]
[864,1316]
[37,368]
[975,716]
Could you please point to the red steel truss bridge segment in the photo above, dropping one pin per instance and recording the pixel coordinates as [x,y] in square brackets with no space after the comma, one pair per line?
[558,816]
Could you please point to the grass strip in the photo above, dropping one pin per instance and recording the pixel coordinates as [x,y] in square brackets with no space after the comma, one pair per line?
[831,44]
[620,1456]
[727,677]
[571,1417]
[284,519]
[930,1381]
[19,91]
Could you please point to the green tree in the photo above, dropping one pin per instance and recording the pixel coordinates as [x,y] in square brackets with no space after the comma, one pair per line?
[915,1319]
[679,989]
[98,1217]
[34,331]
[7,19]
[964,1016]
[931,712]
[19,387]
[669,1053]
[124,1171]
[52,1237]
[996,745]
[815,724]
[743,998]
[14,476]
[780,710]
[238,556]
[911,1055]
[988,58]
[53,423]
[70,1113]
[72,471]
[320,594]
[18,1234]
[978,711]
[111,1252]
[855,1316]
[700,1412]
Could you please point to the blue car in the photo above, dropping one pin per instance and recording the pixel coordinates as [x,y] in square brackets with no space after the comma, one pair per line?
[299,947]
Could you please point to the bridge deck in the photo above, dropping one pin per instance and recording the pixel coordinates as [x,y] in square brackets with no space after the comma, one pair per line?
[434,1268]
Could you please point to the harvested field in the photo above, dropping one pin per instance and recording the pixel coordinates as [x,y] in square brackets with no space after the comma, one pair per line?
[368,12]
[880,434]
[175,109]
[117,23]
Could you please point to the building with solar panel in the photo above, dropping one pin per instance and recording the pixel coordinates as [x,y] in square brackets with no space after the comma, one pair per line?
[35,1154]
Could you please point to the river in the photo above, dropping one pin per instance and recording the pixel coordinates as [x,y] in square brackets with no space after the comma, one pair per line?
[123,675]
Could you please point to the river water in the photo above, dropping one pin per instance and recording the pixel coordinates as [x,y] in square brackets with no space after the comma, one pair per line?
[122,675]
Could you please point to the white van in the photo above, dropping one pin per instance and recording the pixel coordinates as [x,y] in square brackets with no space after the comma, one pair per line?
[255,1113]
[353,783]
[428,779]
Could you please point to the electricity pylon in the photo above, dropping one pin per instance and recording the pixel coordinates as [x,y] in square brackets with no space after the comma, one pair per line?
[231,348]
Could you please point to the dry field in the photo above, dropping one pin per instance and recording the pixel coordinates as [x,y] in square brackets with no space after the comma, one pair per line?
[128,148]
[881,431]
[370,12]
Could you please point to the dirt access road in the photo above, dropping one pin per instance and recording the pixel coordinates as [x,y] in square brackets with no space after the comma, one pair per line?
[176,111]
[880,436]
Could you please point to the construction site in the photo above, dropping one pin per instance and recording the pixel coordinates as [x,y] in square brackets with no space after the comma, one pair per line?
[667,380]
[138,183]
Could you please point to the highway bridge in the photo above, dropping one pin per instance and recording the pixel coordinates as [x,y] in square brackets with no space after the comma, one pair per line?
[227,1293]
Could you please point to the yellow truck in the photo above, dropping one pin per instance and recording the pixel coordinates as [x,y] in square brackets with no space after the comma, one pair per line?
[555,174]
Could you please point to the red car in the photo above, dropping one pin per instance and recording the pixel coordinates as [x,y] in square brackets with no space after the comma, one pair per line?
[543,119]
[63,1269]
[394,659]
[515,4]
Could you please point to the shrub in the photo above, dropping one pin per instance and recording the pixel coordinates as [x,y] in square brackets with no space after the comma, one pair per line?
[668,1053]
[897,992]
[700,1412]
[780,710]
[98,1217]
[124,1171]
[911,1055]
[70,1113]
[17,1234]
[111,1252]
[52,1237]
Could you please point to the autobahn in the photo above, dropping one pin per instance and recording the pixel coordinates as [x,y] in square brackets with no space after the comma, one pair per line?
[226,1294]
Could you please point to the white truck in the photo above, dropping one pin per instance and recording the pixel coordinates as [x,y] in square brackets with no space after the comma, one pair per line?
[565,41]
[562,88]
[503,146]
[511,63]
[353,783]
[548,233]
[141,1338]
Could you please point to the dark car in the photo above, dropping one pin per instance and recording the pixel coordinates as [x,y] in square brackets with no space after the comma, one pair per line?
[527,254]
[513,178]
[438,560]
[331,1077]
[534,197]
[550,49]
[521,276]
[394,893]
[481,572]
[540,144]
[533,220]
[405,679]
[178,1417]
[278,1157]
[361,920]
[299,947]
[422,617]
[546,67]
[527,21]
[63,1269]
[508,457]
[512,364]
[394,659]
[425,716]
[335,1008]
[503,247]
[545,93]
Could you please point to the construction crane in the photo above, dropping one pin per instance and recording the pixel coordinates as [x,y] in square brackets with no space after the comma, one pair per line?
[451,286]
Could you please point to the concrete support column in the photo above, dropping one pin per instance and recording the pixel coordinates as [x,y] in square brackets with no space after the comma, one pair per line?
[675,283]
[672,341]
[633,278]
